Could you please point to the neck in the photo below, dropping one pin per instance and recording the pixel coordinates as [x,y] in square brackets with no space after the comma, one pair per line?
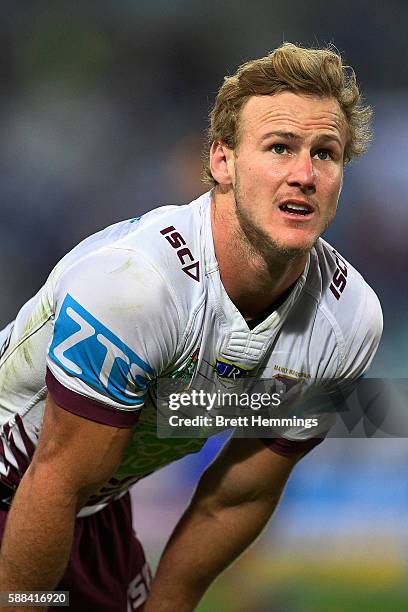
[253,280]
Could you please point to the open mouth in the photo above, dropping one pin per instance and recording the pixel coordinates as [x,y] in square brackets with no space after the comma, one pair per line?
[296,209]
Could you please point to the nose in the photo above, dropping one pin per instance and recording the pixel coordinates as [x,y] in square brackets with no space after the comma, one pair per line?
[302,173]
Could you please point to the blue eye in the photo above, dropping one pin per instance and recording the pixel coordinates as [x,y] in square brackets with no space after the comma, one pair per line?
[323,154]
[279,148]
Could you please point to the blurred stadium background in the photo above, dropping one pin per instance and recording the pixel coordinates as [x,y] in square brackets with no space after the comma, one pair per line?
[102,111]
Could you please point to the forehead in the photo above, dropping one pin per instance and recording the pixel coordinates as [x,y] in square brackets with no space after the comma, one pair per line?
[287,111]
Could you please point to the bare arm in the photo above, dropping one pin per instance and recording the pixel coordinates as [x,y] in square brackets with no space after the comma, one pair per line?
[233,502]
[73,459]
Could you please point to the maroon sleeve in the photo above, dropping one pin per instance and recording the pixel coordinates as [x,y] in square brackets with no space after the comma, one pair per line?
[289,448]
[88,408]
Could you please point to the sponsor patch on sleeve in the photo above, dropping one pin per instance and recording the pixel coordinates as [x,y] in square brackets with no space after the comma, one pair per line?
[84,348]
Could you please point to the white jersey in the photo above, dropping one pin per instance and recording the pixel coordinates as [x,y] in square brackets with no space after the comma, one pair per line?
[143,299]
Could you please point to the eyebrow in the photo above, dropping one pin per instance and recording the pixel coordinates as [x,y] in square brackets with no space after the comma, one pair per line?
[296,137]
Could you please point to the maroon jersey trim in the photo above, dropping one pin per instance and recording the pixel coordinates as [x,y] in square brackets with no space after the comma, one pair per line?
[88,408]
[289,448]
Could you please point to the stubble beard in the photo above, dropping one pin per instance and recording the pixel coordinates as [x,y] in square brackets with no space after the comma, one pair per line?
[256,242]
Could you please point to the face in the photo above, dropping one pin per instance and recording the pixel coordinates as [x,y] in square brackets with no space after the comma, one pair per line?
[286,172]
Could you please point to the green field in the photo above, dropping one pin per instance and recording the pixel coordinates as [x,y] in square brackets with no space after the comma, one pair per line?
[374,585]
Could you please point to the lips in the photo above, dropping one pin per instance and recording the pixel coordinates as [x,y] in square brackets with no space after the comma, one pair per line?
[296,208]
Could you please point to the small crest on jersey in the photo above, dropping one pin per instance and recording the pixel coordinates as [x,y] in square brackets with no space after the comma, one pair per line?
[290,373]
[84,348]
[187,369]
[230,370]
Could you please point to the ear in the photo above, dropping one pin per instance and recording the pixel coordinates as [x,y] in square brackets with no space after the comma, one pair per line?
[222,163]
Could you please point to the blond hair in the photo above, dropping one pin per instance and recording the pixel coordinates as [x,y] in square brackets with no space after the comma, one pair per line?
[289,68]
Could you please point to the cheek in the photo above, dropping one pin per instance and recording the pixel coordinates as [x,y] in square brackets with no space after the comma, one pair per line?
[333,185]
[256,177]
[265,177]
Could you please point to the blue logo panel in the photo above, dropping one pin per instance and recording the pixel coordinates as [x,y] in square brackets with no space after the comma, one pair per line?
[83,347]
[226,369]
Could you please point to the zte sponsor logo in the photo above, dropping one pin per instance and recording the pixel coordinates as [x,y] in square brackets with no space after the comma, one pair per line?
[176,240]
[83,347]
[339,280]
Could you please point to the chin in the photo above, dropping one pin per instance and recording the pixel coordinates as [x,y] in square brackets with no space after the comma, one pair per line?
[293,249]
[300,243]
[284,250]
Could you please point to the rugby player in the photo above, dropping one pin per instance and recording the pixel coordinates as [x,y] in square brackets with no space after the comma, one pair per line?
[237,279]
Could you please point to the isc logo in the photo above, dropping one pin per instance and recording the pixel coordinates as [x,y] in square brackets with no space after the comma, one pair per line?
[177,242]
[88,350]
[339,280]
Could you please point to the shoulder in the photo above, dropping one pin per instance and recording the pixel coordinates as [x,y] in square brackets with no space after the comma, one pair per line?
[131,286]
[345,294]
[174,239]
[161,252]
[347,307]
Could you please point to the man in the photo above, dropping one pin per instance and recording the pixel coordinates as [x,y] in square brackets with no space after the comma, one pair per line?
[238,279]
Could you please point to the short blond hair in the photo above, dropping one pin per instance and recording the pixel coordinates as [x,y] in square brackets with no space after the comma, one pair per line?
[289,68]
